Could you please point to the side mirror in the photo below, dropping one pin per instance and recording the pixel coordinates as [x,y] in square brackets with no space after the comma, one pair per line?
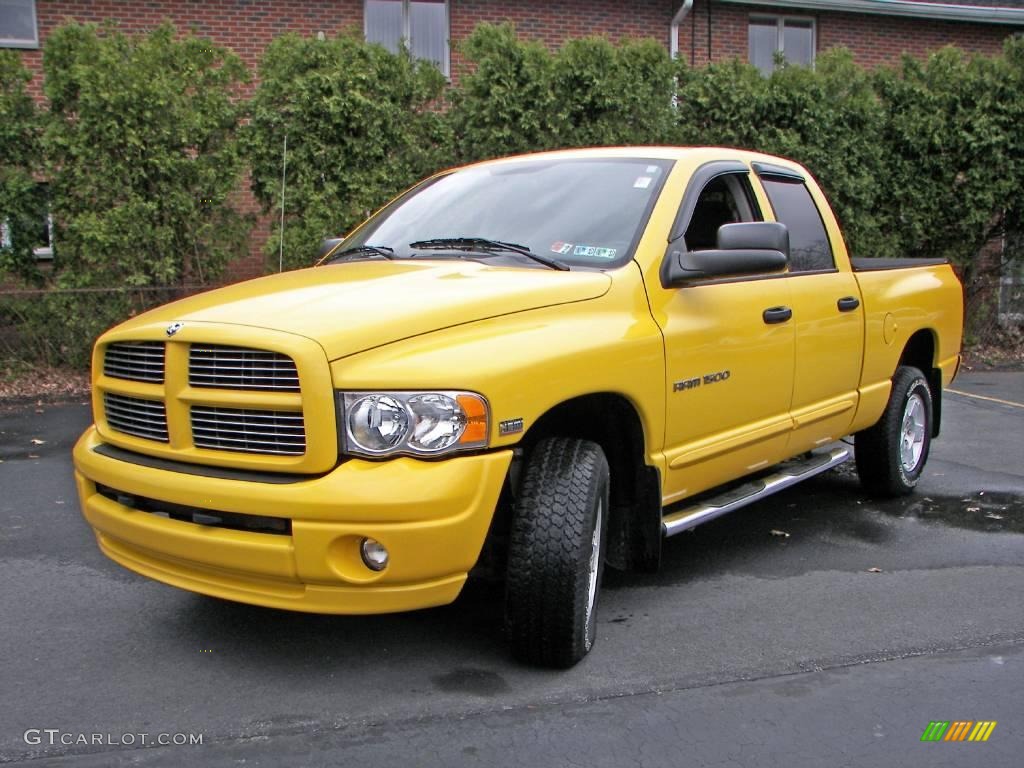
[748,248]
[328,245]
[754,235]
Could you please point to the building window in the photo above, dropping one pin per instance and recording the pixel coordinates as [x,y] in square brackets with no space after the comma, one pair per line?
[792,38]
[18,24]
[421,24]
[41,233]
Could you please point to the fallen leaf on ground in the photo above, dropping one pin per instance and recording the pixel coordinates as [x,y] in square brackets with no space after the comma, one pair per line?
[874,570]
[779,533]
[974,509]
[37,441]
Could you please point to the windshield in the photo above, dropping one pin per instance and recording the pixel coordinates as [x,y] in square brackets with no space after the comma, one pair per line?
[582,212]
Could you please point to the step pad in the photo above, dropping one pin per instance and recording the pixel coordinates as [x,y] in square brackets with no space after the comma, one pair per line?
[787,474]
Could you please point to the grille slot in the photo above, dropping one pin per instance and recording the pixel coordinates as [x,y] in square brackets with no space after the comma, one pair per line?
[231,520]
[248,431]
[222,367]
[135,360]
[134,416]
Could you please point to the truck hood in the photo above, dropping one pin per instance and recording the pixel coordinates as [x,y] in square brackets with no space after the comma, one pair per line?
[351,307]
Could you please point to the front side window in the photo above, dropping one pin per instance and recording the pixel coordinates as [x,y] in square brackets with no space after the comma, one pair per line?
[18,24]
[726,199]
[422,25]
[809,249]
[585,213]
[771,35]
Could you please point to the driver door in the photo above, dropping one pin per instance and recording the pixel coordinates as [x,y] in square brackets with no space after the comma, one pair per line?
[729,349]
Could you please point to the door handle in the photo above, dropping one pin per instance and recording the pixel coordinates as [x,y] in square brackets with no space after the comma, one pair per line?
[774,315]
[848,303]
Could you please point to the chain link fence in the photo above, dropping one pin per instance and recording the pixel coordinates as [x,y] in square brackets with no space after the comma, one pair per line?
[994,312]
[57,328]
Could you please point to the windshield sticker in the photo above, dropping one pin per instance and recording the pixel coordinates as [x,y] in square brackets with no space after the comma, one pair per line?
[653,169]
[642,182]
[560,247]
[597,253]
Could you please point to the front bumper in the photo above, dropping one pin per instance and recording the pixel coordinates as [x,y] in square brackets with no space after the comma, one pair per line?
[432,516]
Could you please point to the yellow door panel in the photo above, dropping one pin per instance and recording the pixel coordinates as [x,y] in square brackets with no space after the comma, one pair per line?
[730,377]
[829,354]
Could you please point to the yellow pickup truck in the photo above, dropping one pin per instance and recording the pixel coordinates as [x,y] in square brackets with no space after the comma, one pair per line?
[538,365]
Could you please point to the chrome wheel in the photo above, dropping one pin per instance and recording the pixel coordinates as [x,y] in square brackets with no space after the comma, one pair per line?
[912,432]
[595,570]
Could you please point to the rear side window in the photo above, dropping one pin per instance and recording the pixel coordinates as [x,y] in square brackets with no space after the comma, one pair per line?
[809,249]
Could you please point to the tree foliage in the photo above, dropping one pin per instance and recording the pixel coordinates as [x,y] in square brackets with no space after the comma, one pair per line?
[361,126]
[924,159]
[142,155]
[142,149]
[21,203]
[829,119]
[951,128]
[521,97]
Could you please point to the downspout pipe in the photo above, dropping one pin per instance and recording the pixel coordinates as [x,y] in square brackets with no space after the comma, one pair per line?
[673,30]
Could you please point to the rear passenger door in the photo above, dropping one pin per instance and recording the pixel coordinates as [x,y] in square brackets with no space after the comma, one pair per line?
[827,317]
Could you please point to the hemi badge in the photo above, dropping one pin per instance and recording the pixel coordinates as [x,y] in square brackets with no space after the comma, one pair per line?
[510,427]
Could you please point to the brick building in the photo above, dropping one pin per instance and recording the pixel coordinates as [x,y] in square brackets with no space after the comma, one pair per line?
[698,31]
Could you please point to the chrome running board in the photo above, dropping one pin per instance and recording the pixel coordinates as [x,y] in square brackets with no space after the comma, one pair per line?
[709,509]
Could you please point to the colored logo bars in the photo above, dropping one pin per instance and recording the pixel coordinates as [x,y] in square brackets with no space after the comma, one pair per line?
[958,730]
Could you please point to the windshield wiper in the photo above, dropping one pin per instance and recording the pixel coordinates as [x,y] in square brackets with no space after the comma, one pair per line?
[486,245]
[364,250]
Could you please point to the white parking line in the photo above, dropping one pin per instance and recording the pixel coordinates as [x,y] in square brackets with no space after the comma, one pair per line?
[990,399]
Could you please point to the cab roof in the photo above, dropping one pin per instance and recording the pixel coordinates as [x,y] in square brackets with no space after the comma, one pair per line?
[695,155]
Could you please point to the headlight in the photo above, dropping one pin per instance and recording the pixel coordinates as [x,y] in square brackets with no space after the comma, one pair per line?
[417,423]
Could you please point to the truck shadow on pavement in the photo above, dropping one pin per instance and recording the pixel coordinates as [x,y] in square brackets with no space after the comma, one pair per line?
[825,524]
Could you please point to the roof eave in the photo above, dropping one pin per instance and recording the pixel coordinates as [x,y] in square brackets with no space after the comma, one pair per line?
[936,11]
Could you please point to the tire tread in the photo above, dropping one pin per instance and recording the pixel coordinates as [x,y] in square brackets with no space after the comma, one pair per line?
[549,551]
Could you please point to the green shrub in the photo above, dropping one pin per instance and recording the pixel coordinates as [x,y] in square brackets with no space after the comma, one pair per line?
[521,97]
[829,119]
[505,104]
[361,126]
[142,155]
[21,202]
[954,175]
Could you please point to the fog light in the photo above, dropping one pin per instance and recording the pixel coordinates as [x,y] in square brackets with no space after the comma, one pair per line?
[375,556]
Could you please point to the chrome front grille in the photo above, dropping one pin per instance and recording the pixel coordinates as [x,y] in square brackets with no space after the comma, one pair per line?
[224,367]
[135,416]
[248,431]
[135,360]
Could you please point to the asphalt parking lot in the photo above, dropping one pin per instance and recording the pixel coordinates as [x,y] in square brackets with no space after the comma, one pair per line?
[817,628]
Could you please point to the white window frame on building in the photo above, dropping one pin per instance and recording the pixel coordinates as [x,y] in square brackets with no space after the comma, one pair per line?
[12,6]
[44,250]
[406,35]
[780,37]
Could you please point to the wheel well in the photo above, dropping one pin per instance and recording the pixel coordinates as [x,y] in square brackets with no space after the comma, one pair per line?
[611,421]
[920,353]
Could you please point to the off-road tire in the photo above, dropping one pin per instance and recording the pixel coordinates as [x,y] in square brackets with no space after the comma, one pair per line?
[550,599]
[881,464]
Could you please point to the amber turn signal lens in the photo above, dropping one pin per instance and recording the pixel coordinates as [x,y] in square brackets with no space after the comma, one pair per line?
[476,419]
